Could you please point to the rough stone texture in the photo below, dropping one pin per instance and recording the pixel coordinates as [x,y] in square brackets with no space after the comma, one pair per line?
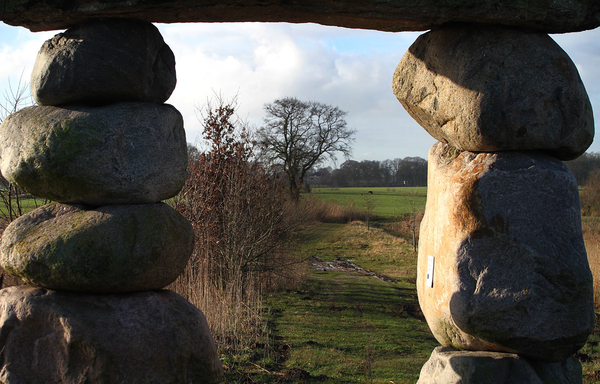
[123,153]
[511,272]
[449,366]
[102,62]
[115,248]
[398,15]
[141,338]
[495,88]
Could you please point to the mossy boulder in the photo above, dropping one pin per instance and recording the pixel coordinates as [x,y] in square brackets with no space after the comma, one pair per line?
[115,248]
[147,337]
[126,153]
[449,366]
[102,62]
[510,270]
[489,89]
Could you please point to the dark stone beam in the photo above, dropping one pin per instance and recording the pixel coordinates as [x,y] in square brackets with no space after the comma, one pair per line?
[385,15]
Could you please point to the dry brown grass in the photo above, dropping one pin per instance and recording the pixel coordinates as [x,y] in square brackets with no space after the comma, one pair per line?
[330,212]
[590,196]
[591,236]
[235,320]
[234,310]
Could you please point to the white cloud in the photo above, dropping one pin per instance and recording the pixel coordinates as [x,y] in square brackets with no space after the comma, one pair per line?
[584,50]
[18,50]
[351,69]
[263,62]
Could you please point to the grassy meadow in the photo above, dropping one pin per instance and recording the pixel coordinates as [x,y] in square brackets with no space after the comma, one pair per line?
[340,325]
[387,203]
[343,327]
[27,204]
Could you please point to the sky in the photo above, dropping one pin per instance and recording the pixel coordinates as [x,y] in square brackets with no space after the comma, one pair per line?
[259,63]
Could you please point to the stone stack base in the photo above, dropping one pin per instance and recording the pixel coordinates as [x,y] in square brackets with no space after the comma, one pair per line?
[145,337]
[102,145]
[450,366]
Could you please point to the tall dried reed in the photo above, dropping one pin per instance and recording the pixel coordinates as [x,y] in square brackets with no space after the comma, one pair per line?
[590,195]
[591,236]
[243,224]
[331,212]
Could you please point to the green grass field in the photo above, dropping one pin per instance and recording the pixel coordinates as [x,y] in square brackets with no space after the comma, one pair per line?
[341,327]
[27,204]
[387,202]
[351,328]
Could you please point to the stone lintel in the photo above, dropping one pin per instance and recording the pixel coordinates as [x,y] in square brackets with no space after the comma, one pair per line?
[552,16]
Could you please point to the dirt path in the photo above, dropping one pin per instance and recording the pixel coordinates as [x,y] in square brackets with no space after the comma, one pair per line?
[341,265]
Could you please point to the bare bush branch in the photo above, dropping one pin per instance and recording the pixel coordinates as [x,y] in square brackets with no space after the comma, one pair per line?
[242,222]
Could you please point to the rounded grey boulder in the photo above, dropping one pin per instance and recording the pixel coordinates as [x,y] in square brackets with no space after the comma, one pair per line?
[502,235]
[449,366]
[486,89]
[126,153]
[115,248]
[60,337]
[104,61]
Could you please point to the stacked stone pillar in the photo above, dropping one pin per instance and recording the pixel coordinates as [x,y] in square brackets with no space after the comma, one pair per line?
[106,149]
[503,278]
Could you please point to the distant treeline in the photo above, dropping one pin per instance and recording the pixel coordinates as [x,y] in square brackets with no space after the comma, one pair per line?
[585,167]
[410,172]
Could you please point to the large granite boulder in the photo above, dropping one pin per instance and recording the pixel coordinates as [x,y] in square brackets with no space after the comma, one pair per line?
[124,153]
[449,366]
[148,337]
[105,61]
[495,88]
[115,248]
[397,15]
[502,240]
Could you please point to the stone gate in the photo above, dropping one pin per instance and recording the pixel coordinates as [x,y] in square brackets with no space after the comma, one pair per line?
[503,278]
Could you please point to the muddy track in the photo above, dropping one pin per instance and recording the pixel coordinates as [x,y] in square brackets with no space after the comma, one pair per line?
[341,265]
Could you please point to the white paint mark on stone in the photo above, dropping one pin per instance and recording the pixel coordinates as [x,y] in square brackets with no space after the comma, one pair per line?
[430,263]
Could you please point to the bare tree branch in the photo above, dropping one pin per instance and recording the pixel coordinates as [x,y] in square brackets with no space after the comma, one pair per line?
[300,135]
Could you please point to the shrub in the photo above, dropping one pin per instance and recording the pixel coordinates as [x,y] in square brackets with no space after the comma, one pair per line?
[243,225]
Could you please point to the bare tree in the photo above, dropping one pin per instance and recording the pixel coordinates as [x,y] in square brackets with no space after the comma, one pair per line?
[13,201]
[369,206]
[300,135]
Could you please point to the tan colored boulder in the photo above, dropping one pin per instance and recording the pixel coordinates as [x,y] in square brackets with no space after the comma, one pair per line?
[510,271]
[103,62]
[491,89]
[449,366]
[126,153]
[115,248]
[153,337]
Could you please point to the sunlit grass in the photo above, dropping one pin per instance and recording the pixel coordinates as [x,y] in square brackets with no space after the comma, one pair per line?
[350,328]
[387,202]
